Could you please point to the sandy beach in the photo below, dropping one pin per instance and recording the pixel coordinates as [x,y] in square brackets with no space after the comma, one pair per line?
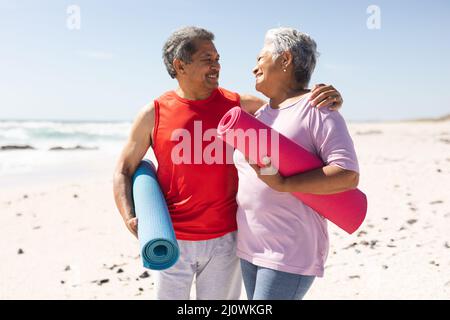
[62,236]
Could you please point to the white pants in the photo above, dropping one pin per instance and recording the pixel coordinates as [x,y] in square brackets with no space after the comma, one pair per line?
[215,265]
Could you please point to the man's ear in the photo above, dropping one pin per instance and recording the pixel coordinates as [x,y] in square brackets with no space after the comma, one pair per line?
[179,66]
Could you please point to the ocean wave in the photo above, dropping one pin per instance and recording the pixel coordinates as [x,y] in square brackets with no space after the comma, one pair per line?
[55,148]
[63,135]
[18,130]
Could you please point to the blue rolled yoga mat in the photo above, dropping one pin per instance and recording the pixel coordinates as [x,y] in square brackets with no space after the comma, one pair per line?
[159,247]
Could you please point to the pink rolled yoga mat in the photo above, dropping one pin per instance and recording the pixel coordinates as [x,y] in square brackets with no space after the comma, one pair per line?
[345,209]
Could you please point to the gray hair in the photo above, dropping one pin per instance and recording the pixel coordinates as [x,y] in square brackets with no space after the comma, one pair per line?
[303,49]
[181,45]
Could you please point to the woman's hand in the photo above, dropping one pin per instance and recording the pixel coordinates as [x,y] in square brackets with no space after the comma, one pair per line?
[326,96]
[269,175]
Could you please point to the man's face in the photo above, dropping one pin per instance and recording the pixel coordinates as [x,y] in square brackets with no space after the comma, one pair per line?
[203,71]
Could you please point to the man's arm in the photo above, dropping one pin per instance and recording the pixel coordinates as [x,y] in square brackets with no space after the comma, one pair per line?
[139,140]
[251,104]
[321,96]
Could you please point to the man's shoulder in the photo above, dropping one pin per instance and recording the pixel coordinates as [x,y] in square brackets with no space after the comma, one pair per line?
[228,94]
[166,95]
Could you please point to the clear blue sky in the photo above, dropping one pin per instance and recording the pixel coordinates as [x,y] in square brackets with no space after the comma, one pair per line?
[112,66]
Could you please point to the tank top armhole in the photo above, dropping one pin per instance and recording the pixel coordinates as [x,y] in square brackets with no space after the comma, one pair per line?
[156,124]
[238,99]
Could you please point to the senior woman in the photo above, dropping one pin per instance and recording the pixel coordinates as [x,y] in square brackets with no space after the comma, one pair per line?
[282,243]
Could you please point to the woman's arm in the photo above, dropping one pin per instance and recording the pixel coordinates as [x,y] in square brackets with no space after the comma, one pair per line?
[333,146]
[326,180]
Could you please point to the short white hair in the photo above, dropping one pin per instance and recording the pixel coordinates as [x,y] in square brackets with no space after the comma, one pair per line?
[302,47]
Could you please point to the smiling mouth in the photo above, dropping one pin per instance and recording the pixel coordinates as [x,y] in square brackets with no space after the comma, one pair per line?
[213,76]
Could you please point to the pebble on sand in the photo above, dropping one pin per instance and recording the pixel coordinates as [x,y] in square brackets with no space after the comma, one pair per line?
[144,275]
[350,246]
[20,251]
[67,268]
[100,282]
[373,243]
[361,233]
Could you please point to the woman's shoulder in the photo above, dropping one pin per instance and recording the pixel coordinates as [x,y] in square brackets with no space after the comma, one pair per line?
[261,111]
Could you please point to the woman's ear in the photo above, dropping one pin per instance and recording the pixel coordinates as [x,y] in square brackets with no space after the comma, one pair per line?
[286,59]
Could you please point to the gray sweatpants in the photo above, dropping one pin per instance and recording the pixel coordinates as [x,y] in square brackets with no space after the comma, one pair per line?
[213,262]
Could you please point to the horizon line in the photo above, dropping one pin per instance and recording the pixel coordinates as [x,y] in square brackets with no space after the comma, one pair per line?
[445,117]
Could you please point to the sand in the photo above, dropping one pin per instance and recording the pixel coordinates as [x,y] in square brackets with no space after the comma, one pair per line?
[62,237]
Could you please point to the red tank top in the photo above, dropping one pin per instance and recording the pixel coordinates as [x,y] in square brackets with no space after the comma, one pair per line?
[200,193]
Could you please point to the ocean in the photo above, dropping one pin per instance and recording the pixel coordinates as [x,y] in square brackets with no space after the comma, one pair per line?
[44,135]
[49,148]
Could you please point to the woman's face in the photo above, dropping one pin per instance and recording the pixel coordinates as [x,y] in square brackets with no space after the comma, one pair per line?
[267,72]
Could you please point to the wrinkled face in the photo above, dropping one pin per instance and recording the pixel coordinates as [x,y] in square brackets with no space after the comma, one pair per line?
[267,71]
[203,71]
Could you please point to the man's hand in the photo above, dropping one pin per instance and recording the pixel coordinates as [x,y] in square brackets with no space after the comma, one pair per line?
[326,96]
[132,225]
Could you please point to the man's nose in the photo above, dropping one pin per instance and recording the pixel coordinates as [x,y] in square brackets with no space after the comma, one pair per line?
[255,70]
[215,66]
